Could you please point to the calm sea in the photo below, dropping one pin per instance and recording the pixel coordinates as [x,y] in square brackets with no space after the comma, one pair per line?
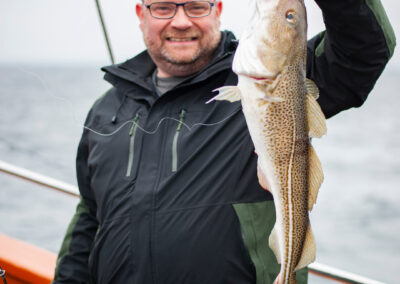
[356,221]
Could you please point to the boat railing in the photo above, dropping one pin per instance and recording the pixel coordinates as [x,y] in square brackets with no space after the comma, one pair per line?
[315,268]
[39,179]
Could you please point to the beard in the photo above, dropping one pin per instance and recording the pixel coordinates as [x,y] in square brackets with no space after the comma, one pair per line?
[170,58]
[183,62]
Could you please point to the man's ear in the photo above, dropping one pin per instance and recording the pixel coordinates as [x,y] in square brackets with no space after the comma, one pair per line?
[139,14]
[218,8]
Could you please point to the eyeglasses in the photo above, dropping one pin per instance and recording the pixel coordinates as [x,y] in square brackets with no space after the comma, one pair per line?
[167,10]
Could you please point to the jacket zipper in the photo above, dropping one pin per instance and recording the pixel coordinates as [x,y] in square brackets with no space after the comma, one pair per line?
[175,142]
[132,133]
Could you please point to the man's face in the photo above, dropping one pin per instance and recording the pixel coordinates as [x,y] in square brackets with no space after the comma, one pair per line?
[182,45]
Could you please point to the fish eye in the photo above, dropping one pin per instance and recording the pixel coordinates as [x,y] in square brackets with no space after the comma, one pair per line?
[290,16]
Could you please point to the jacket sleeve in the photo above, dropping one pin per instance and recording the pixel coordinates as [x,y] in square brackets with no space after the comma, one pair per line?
[346,60]
[72,262]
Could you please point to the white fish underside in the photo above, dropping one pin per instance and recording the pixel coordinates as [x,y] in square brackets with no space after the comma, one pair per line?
[277,163]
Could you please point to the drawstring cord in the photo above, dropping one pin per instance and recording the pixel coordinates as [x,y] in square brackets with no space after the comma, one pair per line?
[2,274]
[115,117]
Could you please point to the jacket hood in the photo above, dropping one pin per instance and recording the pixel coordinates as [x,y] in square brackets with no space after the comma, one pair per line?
[138,70]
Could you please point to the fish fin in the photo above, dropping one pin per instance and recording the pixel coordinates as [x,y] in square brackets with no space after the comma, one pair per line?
[274,245]
[278,279]
[228,93]
[309,250]
[315,118]
[312,88]
[315,177]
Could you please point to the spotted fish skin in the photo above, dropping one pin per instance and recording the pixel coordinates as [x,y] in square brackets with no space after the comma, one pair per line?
[282,114]
[282,143]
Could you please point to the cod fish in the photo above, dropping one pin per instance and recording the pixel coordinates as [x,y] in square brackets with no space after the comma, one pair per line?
[282,116]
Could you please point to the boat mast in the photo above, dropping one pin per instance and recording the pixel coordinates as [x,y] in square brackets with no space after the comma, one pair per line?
[105,31]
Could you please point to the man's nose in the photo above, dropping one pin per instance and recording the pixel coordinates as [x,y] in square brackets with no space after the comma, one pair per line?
[181,20]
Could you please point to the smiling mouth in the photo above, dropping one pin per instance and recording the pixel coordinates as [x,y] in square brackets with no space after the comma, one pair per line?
[174,39]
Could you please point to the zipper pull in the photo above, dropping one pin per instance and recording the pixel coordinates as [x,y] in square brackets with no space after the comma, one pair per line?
[175,141]
[135,121]
[181,118]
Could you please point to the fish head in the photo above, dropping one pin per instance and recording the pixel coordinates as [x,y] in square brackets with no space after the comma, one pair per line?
[276,39]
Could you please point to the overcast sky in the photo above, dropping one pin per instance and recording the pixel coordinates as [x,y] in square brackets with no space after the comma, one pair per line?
[69,31]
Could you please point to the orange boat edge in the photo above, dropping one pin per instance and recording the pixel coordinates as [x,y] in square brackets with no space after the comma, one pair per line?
[25,263]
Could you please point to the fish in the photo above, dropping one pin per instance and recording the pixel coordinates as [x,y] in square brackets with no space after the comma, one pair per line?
[282,115]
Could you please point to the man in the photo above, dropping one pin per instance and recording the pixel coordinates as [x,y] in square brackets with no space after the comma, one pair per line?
[169,188]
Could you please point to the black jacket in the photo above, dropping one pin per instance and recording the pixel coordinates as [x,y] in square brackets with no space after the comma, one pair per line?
[169,192]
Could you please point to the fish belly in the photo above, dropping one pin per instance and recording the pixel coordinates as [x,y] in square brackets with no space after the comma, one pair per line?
[279,133]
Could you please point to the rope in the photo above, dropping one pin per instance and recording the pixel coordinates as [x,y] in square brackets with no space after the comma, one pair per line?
[2,274]
[105,31]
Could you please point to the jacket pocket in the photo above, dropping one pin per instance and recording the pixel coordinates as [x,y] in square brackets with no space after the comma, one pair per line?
[175,141]
[111,259]
[132,134]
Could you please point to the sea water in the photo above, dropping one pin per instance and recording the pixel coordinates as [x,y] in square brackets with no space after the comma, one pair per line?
[356,220]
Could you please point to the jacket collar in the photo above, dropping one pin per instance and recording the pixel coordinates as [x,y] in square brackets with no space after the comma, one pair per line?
[139,69]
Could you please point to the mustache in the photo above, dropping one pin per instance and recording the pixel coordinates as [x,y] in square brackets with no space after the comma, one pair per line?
[186,34]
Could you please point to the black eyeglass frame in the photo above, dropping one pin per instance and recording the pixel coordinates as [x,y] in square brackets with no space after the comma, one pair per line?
[212,4]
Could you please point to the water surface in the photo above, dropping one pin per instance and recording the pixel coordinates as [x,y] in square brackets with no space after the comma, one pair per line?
[356,221]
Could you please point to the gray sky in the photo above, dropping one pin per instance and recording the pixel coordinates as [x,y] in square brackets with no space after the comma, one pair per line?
[69,31]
